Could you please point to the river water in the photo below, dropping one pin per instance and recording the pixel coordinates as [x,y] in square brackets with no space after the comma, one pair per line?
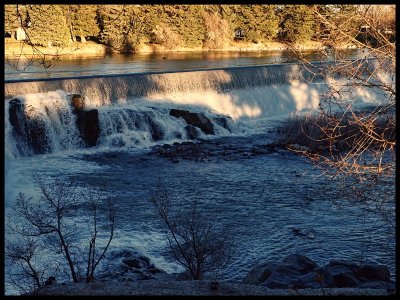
[259,198]
[139,63]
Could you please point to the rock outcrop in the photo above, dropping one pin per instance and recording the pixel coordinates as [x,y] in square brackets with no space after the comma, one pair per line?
[30,131]
[299,272]
[195,119]
[87,121]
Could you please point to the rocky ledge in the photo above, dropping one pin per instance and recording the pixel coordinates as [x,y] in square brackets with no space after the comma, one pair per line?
[208,150]
[297,271]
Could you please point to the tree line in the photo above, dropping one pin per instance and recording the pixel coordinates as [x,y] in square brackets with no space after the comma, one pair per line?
[125,27]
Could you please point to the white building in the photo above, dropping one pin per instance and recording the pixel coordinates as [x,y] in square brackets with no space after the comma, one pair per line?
[20,34]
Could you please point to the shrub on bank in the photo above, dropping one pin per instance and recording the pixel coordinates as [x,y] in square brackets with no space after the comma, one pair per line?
[337,132]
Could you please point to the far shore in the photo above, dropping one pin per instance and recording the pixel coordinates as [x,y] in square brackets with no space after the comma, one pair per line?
[17,49]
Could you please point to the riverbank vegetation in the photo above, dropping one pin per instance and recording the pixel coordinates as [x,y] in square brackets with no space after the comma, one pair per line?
[125,28]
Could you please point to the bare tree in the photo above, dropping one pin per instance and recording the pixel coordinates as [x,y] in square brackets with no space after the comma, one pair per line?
[360,142]
[351,143]
[20,256]
[94,254]
[193,238]
[49,223]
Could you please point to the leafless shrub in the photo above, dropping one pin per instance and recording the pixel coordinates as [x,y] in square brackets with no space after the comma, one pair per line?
[194,240]
[217,31]
[28,274]
[367,136]
[48,224]
[165,36]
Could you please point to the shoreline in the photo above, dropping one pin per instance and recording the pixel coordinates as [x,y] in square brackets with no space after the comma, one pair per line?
[17,49]
[193,288]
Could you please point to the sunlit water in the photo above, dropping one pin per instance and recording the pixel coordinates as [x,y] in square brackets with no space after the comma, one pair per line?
[138,63]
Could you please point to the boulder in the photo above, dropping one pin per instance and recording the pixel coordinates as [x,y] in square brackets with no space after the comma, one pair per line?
[157,133]
[222,121]
[16,109]
[77,102]
[374,272]
[191,132]
[29,131]
[282,277]
[260,273]
[308,279]
[136,263]
[323,278]
[345,263]
[300,263]
[37,135]
[340,277]
[195,119]
[87,122]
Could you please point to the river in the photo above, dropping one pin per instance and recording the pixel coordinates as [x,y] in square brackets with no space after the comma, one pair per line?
[259,198]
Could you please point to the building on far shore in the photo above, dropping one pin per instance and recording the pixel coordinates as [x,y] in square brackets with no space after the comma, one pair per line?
[20,34]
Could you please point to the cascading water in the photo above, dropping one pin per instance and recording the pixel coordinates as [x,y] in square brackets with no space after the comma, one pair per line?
[133,109]
[41,123]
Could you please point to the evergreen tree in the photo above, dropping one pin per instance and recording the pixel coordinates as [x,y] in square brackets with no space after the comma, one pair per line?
[259,22]
[83,20]
[298,23]
[122,26]
[11,18]
[178,18]
[48,26]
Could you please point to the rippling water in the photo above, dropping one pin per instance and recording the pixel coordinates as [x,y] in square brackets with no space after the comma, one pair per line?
[259,199]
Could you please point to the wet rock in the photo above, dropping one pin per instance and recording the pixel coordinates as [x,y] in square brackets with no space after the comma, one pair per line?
[140,262]
[298,147]
[222,121]
[374,272]
[298,271]
[324,278]
[191,132]
[307,279]
[282,277]
[30,131]
[195,119]
[260,273]
[155,129]
[77,102]
[339,276]
[155,270]
[309,233]
[16,109]
[87,122]
[134,263]
[345,263]
[300,263]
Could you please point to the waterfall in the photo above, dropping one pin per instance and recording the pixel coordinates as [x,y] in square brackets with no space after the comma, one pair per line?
[40,123]
[103,90]
[133,110]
